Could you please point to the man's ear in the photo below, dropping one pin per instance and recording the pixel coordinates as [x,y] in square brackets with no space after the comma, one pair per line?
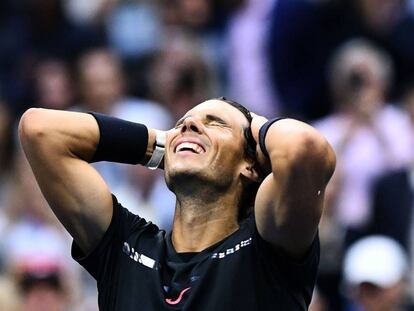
[250,172]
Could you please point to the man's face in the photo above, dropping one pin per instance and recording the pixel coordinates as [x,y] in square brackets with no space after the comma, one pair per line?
[207,143]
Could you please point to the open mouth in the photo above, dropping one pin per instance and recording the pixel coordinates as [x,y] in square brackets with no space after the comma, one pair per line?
[187,146]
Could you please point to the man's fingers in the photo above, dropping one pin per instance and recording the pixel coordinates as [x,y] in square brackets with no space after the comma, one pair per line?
[256,124]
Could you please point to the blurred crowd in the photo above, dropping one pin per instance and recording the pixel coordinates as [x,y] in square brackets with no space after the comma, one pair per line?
[344,66]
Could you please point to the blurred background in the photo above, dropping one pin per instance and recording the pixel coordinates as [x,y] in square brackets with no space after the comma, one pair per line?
[345,66]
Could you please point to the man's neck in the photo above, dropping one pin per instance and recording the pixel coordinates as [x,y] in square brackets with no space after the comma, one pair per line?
[198,225]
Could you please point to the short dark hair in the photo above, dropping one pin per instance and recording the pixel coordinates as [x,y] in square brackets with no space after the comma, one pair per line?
[250,147]
[249,193]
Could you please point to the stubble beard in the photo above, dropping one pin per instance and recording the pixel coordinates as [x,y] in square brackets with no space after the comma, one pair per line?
[196,184]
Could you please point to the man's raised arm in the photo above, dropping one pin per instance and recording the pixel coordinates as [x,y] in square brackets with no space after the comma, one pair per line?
[59,145]
[289,202]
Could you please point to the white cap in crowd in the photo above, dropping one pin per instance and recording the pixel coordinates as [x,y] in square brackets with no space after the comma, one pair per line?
[376,259]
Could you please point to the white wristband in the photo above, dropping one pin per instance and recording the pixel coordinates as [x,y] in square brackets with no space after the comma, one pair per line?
[159,149]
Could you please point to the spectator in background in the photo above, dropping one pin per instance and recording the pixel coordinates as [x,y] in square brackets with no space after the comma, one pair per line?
[304,34]
[38,29]
[207,20]
[370,137]
[34,246]
[375,270]
[100,81]
[53,84]
[31,233]
[39,264]
[180,77]
[42,291]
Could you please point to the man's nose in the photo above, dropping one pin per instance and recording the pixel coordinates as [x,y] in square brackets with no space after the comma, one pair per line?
[191,124]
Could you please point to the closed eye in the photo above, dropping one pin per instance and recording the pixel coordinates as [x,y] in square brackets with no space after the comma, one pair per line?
[210,120]
[214,120]
[215,123]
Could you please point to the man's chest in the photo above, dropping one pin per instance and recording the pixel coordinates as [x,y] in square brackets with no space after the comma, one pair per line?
[225,279]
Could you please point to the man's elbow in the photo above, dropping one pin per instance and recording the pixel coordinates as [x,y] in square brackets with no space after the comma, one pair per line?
[31,123]
[32,126]
[301,150]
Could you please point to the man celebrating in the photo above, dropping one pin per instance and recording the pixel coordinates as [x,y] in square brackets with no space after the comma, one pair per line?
[249,198]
